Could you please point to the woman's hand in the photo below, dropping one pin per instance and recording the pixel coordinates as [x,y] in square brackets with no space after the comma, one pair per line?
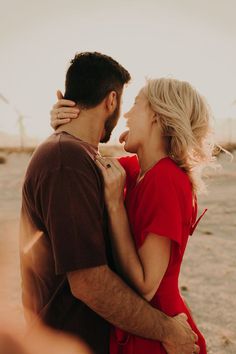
[63,111]
[114,179]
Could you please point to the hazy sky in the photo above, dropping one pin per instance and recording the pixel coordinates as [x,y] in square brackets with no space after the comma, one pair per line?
[190,40]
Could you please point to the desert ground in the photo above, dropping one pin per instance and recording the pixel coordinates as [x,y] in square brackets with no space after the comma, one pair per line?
[208,276]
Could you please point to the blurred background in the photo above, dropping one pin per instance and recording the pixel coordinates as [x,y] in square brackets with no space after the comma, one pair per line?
[189,40]
[185,39]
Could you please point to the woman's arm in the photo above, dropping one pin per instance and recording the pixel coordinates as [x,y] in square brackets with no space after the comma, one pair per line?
[145,268]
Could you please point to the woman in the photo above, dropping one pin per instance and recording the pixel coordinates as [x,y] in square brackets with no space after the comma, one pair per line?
[151,198]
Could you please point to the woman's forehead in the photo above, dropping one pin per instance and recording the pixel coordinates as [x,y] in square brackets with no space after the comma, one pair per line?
[141,94]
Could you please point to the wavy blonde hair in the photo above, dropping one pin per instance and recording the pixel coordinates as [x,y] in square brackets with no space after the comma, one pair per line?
[185,120]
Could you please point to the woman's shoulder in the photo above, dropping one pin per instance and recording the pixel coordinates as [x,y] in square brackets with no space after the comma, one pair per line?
[168,169]
[166,174]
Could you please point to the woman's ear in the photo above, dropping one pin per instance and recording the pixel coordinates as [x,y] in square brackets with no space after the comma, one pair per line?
[155,118]
[111,101]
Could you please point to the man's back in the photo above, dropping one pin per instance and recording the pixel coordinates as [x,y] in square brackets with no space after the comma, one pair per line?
[62,229]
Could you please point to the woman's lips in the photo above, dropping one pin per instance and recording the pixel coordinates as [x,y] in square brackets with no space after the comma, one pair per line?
[124,136]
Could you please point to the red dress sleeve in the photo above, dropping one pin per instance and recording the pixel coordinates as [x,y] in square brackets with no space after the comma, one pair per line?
[161,210]
[195,221]
[131,166]
[129,163]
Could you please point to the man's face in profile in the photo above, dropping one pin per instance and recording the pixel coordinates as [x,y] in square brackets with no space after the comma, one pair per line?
[111,123]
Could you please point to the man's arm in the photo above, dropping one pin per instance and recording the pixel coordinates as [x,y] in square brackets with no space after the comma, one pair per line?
[106,294]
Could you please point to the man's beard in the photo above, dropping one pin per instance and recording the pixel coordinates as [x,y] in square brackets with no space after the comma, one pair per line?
[110,125]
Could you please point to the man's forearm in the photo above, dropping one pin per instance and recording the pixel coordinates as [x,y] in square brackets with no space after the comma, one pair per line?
[106,294]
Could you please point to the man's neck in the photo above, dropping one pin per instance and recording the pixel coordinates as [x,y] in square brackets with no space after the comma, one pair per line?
[87,127]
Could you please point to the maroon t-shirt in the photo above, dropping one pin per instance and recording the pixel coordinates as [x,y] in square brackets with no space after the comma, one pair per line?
[63,229]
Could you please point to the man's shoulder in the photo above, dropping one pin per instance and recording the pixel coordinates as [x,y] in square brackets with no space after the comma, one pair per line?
[60,143]
[56,152]
[71,149]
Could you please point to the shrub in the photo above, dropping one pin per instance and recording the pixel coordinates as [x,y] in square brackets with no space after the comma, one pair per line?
[2,160]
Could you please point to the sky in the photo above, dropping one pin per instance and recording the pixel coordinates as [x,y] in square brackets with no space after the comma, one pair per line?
[185,39]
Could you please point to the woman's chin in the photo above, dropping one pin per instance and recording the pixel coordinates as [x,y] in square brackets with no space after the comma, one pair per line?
[129,148]
[126,148]
[127,140]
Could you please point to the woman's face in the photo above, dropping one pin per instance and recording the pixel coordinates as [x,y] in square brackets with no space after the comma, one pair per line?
[140,120]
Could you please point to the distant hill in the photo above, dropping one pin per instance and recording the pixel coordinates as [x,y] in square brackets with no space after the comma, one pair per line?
[225,130]
[10,140]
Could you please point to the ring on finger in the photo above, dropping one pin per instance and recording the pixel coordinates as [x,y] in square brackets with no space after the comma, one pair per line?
[102,161]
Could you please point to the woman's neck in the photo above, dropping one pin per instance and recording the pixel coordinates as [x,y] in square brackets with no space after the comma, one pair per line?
[149,157]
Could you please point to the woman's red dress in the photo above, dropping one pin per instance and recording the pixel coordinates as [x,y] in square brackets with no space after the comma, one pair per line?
[160,203]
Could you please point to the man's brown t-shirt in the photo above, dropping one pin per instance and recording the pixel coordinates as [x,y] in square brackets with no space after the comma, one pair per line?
[63,229]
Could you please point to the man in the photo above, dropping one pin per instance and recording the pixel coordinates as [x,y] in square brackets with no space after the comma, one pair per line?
[67,269]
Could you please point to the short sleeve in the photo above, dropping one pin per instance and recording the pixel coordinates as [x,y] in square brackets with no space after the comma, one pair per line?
[72,211]
[129,163]
[131,167]
[161,212]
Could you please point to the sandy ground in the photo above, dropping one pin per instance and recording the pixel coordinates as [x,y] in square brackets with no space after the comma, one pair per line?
[208,277]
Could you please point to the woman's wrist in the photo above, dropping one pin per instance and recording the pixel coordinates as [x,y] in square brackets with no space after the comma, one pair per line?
[115,206]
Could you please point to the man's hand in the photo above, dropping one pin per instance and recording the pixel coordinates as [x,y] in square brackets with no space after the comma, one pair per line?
[63,111]
[181,338]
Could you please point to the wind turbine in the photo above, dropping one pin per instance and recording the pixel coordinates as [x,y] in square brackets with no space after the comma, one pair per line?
[20,120]
[231,120]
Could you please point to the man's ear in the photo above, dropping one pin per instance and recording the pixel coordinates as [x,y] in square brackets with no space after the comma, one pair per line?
[111,101]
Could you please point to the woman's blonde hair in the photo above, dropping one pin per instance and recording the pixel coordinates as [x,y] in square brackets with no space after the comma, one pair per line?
[185,120]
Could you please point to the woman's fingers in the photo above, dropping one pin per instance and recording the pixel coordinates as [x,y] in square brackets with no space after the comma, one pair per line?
[113,165]
[117,165]
[64,103]
[67,115]
[59,95]
[113,181]
[63,115]
[105,166]
[103,161]
[65,110]
[101,167]
[56,122]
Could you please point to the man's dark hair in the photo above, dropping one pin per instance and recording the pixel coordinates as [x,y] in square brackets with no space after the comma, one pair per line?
[91,76]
